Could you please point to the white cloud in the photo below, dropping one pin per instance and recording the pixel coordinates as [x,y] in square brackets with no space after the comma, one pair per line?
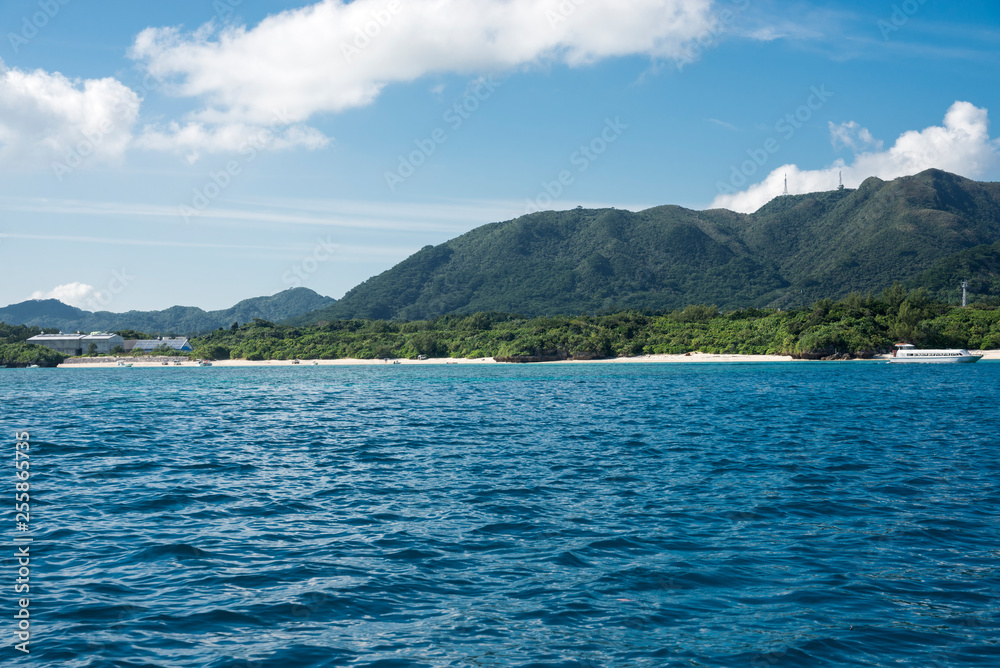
[47,118]
[723,124]
[80,295]
[961,145]
[853,136]
[50,121]
[319,59]
[193,139]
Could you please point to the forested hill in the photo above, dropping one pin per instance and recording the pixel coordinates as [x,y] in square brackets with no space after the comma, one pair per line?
[177,319]
[931,227]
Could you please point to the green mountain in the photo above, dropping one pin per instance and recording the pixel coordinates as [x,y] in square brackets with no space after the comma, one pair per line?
[979,265]
[177,319]
[795,250]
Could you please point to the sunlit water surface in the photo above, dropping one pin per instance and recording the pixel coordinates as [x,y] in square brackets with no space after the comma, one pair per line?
[837,514]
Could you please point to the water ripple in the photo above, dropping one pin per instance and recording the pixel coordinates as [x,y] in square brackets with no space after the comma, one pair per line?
[570,515]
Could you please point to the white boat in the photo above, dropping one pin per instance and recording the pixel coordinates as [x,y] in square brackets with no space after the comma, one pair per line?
[122,363]
[907,352]
[204,363]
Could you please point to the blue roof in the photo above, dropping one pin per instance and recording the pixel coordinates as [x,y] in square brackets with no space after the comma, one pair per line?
[180,345]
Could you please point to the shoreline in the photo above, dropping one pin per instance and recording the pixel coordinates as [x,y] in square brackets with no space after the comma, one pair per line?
[684,358]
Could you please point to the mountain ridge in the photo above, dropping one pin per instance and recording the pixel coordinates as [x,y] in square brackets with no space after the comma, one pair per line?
[185,320]
[794,250]
[931,230]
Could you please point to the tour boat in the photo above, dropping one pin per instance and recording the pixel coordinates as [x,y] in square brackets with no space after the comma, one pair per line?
[907,352]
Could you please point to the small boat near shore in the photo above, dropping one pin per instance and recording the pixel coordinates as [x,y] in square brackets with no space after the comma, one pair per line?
[908,353]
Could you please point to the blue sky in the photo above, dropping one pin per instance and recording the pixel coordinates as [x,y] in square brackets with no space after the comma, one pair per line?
[200,153]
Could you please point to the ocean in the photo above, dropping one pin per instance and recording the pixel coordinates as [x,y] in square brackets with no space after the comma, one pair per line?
[572,515]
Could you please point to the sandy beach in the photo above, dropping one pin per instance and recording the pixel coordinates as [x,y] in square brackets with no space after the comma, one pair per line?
[690,358]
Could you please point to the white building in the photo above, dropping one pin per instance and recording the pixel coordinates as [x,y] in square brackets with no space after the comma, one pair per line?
[67,344]
[104,342]
[75,345]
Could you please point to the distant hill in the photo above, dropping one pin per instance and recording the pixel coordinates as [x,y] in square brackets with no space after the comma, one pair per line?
[794,250]
[177,319]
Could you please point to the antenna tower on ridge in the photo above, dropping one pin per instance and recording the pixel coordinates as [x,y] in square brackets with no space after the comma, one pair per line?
[965,293]
[841,186]
[786,186]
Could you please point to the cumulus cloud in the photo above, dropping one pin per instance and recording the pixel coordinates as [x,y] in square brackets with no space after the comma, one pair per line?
[50,121]
[47,118]
[336,55]
[961,145]
[79,295]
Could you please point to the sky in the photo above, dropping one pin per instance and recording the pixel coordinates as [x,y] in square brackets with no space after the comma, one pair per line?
[204,152]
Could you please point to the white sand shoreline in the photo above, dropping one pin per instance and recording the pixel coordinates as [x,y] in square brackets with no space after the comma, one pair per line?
[691,358]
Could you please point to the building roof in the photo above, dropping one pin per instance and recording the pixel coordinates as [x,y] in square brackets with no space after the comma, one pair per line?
[178,343]
[57,337]
[100,336]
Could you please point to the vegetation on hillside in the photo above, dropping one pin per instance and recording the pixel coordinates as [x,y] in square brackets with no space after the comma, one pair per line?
[792,252]
[980,266]
[856,326]
[24,354]
[21,333]
[15,352]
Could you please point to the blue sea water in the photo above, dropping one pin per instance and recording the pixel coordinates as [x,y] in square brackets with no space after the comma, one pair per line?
[751,515]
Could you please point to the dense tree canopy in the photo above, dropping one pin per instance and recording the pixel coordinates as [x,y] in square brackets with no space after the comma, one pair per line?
[856,325]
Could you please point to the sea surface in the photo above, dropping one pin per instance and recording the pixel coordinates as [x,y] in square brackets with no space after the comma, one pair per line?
[751,515]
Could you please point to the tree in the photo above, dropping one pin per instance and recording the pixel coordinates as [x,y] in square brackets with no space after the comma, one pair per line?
[92,349]
[132,334]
